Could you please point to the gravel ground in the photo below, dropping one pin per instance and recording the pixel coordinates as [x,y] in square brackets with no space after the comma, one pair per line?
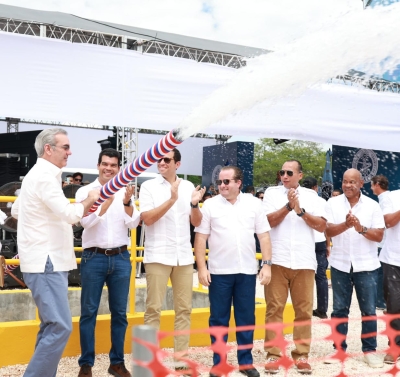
[354,366]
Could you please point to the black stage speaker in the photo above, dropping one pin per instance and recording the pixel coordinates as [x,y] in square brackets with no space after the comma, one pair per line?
[21,143]
[9,168]
[74,276]
[9,250]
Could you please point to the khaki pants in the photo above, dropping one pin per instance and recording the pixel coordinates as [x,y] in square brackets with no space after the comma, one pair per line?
[301,286]
[157,276]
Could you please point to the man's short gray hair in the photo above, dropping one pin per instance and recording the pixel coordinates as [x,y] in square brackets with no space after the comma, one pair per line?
[47,137]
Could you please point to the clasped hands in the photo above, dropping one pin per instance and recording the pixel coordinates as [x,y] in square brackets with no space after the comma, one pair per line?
[353,221]
[293,198]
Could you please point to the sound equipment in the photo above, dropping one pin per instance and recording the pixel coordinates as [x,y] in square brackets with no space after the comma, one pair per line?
[74,276]
[9,251]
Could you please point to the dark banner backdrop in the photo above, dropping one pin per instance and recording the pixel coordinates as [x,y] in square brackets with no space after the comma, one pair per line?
[240,154]
[369,162]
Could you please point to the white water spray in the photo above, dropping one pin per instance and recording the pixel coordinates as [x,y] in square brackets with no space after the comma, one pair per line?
[360,38]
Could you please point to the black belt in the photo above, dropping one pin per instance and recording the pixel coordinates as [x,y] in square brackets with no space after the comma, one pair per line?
[108,252]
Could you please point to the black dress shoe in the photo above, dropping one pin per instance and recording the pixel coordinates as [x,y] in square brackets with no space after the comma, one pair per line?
[252,372]
[317,313]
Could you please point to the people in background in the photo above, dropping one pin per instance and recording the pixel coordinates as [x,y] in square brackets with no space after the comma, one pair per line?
[77,178]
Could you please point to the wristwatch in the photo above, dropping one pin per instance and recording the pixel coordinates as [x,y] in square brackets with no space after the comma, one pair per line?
[288,207]
[194,205]
[268,262]
[364,230]
[302,212]
[127,204]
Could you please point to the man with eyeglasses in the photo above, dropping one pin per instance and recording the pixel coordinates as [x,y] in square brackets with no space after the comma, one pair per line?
[77,178]
[168,205]
[293,213]
[45,246]
[355,224]
[229,222]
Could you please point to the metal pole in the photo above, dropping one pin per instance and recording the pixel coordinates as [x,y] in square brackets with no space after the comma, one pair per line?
[141,352]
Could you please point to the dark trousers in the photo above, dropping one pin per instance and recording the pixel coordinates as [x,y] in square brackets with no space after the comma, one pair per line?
[391,291]
[380,300]
[364,283]
[239,289]
[321,280]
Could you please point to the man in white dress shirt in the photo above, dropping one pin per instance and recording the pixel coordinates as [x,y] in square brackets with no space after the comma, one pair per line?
[322,250]
[45,246]
[106,260]
[355,223]
[390,261]
[380,188]
[168,205]
[293,213]
[229,222]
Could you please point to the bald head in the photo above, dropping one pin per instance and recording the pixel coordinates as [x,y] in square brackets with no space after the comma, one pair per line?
[352,183]
[354,172]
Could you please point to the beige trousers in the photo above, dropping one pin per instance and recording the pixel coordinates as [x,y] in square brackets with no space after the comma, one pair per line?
[157,276]
[301,286]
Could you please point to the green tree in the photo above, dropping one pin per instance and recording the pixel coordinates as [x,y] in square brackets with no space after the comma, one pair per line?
[269,158]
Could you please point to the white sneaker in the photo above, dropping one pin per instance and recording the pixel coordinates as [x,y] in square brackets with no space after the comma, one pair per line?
[330,358]
[373,360]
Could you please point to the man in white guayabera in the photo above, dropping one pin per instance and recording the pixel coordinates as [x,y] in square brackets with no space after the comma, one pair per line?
[45,246]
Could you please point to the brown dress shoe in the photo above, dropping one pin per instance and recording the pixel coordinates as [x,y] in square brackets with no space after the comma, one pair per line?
[303,366]
[85,371]
[271,365]
[119,370]
[389,359]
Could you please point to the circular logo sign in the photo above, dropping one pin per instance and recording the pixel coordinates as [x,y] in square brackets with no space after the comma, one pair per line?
[366,161]
[326,190]
[215,174]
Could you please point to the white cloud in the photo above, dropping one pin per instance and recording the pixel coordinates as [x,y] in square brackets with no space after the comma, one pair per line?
[259,23]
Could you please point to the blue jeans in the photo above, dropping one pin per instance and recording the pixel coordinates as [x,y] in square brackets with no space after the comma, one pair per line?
[50,293]
[97,270]
[321,280]
[239,289]
[365,285]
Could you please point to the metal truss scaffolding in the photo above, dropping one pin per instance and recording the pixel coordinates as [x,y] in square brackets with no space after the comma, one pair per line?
[75,35]
[371,83]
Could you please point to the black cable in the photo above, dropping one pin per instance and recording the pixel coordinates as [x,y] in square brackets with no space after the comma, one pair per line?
[153,38]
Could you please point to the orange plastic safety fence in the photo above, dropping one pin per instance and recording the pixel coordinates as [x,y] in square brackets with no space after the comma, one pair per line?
[159,369]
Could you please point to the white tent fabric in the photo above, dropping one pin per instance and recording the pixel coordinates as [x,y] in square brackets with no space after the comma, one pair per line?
[52,80]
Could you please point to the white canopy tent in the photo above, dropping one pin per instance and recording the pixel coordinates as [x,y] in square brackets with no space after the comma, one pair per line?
[57,81]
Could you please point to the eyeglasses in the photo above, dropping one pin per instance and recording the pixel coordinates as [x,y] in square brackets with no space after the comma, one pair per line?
[225,181]
[167,160]
[288,172]
[77,180]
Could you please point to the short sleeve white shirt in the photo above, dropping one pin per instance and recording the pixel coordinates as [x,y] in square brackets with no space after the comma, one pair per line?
[293,241]
[111,229]
[390,252]
[320,236]
[351,248]
[382,198]
[45,217]
[167,241]
[231,229]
